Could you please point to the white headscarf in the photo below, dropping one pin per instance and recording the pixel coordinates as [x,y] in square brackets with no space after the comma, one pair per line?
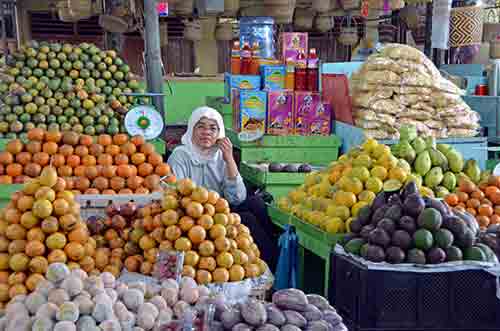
[187,138]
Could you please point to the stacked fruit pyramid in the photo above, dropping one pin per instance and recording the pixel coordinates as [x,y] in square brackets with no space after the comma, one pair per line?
[403,227]
[64,87]
[41,225]
[482,201]
[106,164]
[191,219]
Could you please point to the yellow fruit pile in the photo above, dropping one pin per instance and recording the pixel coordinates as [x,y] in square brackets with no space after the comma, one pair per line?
[331,198]
[217,247]
[41,225]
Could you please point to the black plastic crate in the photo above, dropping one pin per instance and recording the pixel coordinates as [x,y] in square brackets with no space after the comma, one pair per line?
[373,300]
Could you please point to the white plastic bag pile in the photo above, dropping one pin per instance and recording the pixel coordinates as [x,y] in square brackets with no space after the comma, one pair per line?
[400,85]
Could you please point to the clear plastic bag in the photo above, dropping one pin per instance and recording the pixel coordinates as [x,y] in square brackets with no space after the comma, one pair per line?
[416,79]
[423,106]
[433,124]
[193,320]
[367,124]
[454,132]
[410,99]
[387,106]
[364,99]
[443,99]
[403,52]
[412,90]
[169,265]
[415,115]
[383,77]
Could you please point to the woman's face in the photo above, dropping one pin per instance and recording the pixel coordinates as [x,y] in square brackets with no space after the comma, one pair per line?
[205,133]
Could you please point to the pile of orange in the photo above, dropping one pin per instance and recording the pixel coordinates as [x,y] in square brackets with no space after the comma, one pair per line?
[101,165]
[481,201]
[217,246]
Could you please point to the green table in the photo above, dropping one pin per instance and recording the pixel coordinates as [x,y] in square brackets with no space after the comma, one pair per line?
[311,238]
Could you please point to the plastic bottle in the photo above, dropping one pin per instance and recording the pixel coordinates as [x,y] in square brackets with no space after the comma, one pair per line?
[246,59]
[312,71]
[255,66]
[290,74]
[301,72]
[235,58]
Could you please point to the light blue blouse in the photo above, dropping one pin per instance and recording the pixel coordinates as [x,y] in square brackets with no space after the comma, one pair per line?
[210,174]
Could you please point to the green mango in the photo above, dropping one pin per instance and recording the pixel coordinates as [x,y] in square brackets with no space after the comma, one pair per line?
[423,163]
[449,181]
[395,149]
[418,145]
[408,133]
[438,159]
[455,160]
[434,177]
[406,151]
[430,142]
[402,163]
[472,170]
[444,148]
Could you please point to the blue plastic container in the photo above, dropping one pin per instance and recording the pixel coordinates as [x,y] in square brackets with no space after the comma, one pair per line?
[261,30]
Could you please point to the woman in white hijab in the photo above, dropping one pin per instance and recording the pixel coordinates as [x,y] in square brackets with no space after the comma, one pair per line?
[206,156]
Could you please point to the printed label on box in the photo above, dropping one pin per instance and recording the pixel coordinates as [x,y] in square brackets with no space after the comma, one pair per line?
[253,111]
[312,117]
[280,113]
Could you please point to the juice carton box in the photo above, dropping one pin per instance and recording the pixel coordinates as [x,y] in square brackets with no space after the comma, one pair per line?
[312,117]
[243,82]
[273,77]
[235,102]
[293,43]
[280,113]
[253,106]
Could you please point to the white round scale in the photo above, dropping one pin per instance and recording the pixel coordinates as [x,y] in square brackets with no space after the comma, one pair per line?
[145,121]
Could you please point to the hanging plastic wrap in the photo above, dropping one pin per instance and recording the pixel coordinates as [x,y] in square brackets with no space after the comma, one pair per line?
[261,30]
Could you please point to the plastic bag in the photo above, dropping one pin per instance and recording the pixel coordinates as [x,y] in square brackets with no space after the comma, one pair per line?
[410,99]
[383,77]
[439,133]
[445,85]
[367,124]
[454,132]
[412,90]
[443,99]
[380,134]
[424,107]
[364,99]
[404,52]
[433,124]
[415,115]
[416,79]
[193,320]
[169,265]
[387,106]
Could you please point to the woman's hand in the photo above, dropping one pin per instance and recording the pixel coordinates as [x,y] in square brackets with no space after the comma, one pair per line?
[226,148]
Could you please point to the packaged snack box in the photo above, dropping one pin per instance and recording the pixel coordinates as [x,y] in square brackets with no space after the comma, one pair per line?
[312,117]
[280,113]
[253,111]
[293,43]
[242,82]
[235,101]
[273,77]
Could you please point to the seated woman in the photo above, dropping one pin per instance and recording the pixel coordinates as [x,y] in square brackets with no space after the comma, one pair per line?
[206,156]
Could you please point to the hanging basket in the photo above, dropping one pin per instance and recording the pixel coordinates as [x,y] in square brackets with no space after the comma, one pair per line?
[113,24]
[495,49]
[281,10]
[491,31]
[323,23]
[231,7]
[193,31]
[66,15]
[466,26]
[303,19]
[81,9]
[348,34]
[184,7]
[163,34]
[224,32]
[350,4]
[322,6]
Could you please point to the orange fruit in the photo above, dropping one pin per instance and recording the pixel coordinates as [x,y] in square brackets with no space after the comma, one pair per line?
[485,210]
[462,196]
[473,203]
[451,199]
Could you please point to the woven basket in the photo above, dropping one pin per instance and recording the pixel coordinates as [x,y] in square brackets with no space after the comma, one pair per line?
[495,49]
[113,24]
[350,4]
[466,26]
[224,32]
[81,9]
[231,7]
[163,34]
[303,19]
[321,6]
[66,15]
[282,12]
[491,31]
[184,7]
[323,23]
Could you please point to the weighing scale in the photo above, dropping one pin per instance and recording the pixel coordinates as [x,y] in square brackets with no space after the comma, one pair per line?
[143,119]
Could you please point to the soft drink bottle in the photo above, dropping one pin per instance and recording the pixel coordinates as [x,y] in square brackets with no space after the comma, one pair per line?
[235,58]
[254,67]
[246,59]
[312,71]
[301,72]
[290,74]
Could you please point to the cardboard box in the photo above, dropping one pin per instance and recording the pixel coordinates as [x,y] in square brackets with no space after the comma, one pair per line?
[253,106]
[280,119]
[235,102]
[293,43]
[312,116]
[242,82]
[273,77]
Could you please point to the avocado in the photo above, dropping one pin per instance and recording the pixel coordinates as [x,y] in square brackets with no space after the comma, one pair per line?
[364,215]
[453,253]
[423,239]
[375,253]
[413,205]
[436,255]
[490,255]
[430,219]
[415,256]
[387,225]
[363,252]
[348,237]
[394,212]
[379,237]
[408,224]
[401,239]
[379,214]
[456,225]
[276,167]
[290,168]
[394,255]
[436,204]
[410,188]
[365,231]
[354,246]
[444,238]
[356,225]
[304,168]
[466,240]
[379,201]
[474,253]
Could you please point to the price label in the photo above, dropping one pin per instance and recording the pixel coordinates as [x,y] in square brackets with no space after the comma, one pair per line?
[162,9]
